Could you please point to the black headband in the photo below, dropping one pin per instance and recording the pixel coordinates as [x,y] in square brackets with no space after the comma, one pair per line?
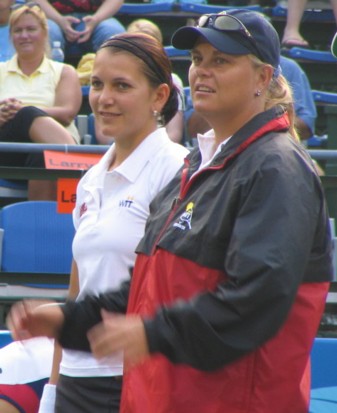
[140,52]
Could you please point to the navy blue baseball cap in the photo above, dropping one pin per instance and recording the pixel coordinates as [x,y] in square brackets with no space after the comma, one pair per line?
[234,31]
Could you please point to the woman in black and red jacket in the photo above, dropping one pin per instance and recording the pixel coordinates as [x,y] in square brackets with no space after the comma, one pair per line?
[232,274]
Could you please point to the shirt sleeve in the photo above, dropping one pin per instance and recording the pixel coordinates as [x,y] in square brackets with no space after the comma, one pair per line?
[82,315]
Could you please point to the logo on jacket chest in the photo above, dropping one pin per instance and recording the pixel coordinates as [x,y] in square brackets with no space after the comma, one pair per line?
[185,219]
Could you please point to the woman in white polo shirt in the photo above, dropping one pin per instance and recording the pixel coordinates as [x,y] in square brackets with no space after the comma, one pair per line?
[132,97]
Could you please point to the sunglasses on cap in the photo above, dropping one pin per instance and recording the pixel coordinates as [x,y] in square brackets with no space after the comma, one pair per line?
[227,23]
[30,5]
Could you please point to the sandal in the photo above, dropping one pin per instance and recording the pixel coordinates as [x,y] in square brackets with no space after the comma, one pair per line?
[289,43]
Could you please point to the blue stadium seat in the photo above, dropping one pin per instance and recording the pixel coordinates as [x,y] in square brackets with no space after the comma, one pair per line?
[85,90]
[324,362]
[201,7]
[5,338]
[324,376]
[319,56]
[156,6]
[36,238]
[13,189]
[310,15]
[324,98]
[174,53]
[91,129]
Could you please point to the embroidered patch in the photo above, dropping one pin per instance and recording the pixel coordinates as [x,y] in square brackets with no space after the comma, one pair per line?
[185,219]
[83,209]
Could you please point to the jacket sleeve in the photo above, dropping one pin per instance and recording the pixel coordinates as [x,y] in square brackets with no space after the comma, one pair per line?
[80,316]
[277,227]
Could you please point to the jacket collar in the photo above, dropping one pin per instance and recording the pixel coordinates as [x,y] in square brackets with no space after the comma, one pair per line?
[274,119]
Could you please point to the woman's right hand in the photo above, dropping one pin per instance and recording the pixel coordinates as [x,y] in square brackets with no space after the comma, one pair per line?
[34,318]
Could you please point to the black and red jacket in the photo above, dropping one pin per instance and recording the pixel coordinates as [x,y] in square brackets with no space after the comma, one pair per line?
[230,279]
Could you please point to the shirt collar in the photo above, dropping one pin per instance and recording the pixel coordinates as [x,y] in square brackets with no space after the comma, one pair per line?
[144,153]
[134,163]
[208,147]
[13,66]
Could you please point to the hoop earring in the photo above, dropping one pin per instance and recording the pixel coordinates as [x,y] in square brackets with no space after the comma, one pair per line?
[159,119]
[257,93]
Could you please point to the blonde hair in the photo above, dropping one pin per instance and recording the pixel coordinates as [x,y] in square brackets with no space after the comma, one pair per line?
[36,11]
[145,26]
[280,93]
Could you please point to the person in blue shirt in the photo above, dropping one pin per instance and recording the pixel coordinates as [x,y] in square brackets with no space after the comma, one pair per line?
[305,108]
[6,47]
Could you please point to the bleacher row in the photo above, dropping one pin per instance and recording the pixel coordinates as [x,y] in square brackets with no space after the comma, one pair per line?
[320,65]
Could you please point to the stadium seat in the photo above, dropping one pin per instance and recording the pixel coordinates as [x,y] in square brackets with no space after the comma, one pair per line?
[319,56]
[324,376]
[5,338]
[202,7]
[36,238]
[324,362]
[310,15]
[13,189]
[174,53]
[139,9]
[324,98]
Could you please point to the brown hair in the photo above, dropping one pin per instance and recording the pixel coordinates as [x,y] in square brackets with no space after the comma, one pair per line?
[153,60]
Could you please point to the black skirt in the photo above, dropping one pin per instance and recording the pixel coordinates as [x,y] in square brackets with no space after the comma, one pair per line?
[17,130]
[88,394]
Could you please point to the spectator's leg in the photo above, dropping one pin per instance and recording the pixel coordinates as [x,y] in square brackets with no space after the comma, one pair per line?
[42,190]
[291,34]
[6,407]
[334,8]
[104,30]
[47,130]
[74,50]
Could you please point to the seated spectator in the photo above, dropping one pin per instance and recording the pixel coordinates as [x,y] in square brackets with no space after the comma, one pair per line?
[305,108]
[25,368]
[175,127]
[39,98]
[81,26]
[6,47]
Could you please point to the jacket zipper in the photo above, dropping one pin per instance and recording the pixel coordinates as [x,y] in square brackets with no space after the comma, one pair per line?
[185,184]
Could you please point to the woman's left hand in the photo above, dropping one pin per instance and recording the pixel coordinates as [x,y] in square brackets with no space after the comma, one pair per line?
[120,333]
[8,109]
[90,24]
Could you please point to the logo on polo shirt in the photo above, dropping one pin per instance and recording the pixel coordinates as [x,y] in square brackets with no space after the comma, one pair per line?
[83,209]
[126,203]
[185,218]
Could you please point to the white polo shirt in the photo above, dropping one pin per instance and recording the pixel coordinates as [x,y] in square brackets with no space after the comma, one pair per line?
[110,215]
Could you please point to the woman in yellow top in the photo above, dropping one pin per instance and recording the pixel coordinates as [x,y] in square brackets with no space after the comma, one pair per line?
[39,98]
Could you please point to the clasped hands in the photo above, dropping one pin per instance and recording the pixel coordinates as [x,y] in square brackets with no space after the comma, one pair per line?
[76,36]
[33,318]
[8,109]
